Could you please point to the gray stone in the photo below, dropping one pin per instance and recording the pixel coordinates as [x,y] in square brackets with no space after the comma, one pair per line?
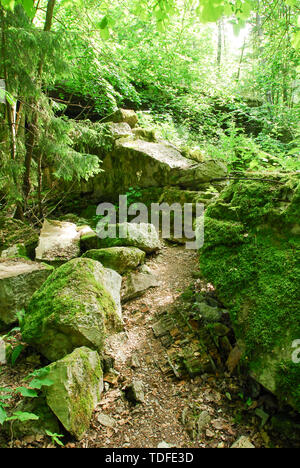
[124,115]
[106,421]
[209,314]
[16,251]
[59,242]
[151,165]
[120,130]
[142,236]
[76,390]
[19,279]
[135,392]
[203,421]
[136,284]
[120,259]
[243,443]
[144,134]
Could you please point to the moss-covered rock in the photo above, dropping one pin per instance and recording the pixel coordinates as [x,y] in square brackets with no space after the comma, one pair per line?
[252,256]
[76,390]
[120,259]
[123,115]
[19,279]
[153,164]
[15,251]
[89,241]
[142,236]
[77,306]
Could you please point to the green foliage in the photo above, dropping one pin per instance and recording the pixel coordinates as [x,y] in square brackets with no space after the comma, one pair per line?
[153,56]
[16,354]
[55,438]
[6,394]
[242,153]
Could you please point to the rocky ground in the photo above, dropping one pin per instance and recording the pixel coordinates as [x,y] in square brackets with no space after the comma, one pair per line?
[207,411]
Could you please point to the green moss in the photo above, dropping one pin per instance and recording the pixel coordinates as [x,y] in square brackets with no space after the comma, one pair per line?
[76,389]
[120,259]
[71,295]
[254,263]
[224,232]
[89,241]
[288,382]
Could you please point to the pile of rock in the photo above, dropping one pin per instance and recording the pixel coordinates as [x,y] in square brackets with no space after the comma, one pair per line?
[72,304]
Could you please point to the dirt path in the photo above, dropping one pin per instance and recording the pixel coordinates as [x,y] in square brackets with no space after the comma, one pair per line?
[159,418]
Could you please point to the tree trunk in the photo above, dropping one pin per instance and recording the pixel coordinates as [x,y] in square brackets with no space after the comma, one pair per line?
[219,56]
[241,62]
[10,114]
[33,125]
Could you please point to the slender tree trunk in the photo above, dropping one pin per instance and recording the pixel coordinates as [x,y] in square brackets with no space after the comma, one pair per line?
[33,125]
[219,56]
[40,183]
[241,62]
[10,114]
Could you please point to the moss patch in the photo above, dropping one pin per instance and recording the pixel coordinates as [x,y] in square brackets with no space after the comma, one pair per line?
[252,256]
[71,309]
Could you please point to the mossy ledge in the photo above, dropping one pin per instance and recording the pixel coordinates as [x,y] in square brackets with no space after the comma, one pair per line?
[252,256]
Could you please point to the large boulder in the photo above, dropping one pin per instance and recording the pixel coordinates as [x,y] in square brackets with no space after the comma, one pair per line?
[142,236]
[19,279]
[252,256]
[120,259]
[76,389]
[119,130]
[59,242]
[77,306]
[151,165]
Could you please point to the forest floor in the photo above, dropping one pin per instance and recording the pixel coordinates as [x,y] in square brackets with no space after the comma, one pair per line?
[163,416]
[160,419]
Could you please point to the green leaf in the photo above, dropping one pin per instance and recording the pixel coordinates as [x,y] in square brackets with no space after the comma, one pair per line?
[39,383]
[3,415]
[40,373]
[10,99]
[16,353]
[161,26]
[104,23]
[28,6]
[104,33]
[8,4]
[55,437]
[23,417]
[210,12]
[26,392]
[296,40]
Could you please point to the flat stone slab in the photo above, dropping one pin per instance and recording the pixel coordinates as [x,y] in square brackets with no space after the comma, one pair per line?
[136,284]
[19,279]
[59,242]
